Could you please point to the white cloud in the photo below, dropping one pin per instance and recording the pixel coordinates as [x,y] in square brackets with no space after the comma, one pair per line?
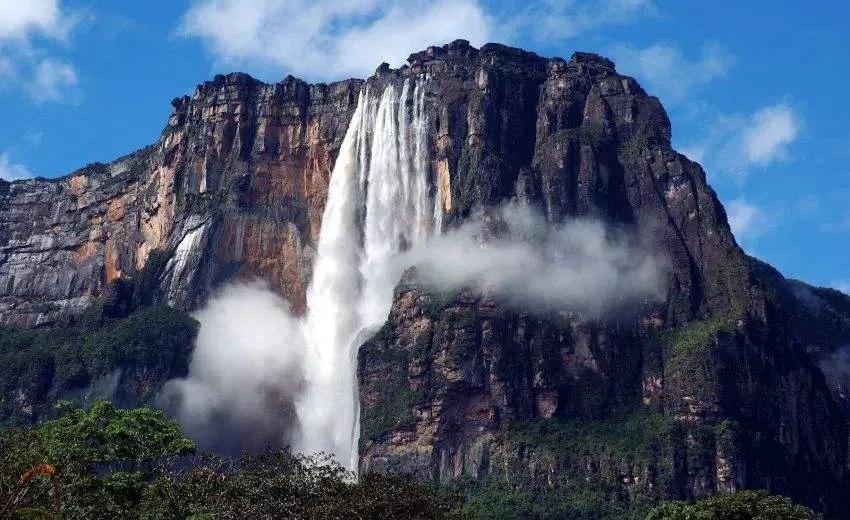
[668,73]
[582,266]
[26,29]
[326,39]
[839,225]
[548,20]
[768,134]
[245,372]
[12,171]
[7,69]
[737,144]
[745,219]
[22,19]
[52,77]
[842,285]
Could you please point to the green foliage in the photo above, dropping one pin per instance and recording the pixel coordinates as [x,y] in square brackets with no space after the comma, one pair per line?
[92,463]
[743,505]
[589,455]
[133,464]
[691,356]
[637,436]
[590,135]
[386,333]
[39,366]
[395,412]
[697,335]
[282,485]
[394,409]
[576,499]
[438,301]
[106,435]
[634,146]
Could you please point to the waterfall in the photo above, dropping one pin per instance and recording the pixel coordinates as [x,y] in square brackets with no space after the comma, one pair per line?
[378,205]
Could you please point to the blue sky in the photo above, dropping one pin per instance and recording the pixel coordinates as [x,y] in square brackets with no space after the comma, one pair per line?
[755,90]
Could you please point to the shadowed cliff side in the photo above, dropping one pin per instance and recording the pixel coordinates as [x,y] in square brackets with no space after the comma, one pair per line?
[712,390]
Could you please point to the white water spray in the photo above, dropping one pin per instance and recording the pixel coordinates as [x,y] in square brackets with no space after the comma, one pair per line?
[378,206]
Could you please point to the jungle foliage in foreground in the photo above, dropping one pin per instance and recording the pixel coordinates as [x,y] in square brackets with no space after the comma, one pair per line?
[106,463]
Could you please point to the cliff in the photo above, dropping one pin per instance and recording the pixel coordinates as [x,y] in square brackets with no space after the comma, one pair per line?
[715,388]
[235,186]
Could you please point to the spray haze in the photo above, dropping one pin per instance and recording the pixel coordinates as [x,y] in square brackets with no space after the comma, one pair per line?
[245,372]
[511,252]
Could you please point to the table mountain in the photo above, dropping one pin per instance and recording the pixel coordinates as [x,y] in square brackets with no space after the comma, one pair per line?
[717,387]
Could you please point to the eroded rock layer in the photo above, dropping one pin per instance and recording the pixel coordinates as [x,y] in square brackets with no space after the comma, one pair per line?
[234,187]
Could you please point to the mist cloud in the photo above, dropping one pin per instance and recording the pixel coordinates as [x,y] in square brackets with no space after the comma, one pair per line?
[513,253]
[244,375]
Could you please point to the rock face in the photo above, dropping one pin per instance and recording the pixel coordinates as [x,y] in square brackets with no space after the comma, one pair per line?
[234,187]
[720,374]
[714,389]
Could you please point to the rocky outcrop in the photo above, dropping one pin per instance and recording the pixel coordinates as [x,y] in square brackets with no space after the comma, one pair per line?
[715,388]
[234,187]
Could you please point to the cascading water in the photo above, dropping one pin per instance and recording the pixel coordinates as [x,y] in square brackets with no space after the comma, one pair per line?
[378,205]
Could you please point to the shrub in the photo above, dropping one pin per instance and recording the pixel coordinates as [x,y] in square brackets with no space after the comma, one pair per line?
[743,505]
[136,464]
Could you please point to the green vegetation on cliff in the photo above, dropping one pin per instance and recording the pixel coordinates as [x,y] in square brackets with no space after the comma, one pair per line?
[612,468]
[743,505]
[695,335]
[637,436]
[395,410]
[124,359]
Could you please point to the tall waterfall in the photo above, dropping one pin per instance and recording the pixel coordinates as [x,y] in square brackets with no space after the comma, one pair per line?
[378,205]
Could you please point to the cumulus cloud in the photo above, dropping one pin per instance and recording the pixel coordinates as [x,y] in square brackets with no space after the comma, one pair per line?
[739,144]
[582,266]
[12,171]
[667,72]
[327,39]
[26,30]
[548,20]
[52,78]
[768,134]
[745,219]
[244,375]
[21,20]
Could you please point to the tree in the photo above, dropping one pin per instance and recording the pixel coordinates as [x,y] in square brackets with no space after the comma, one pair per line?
[136,464]
[97,461]
[743,505]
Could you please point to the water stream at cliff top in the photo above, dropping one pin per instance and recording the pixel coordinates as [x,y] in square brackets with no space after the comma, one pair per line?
[378,205]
